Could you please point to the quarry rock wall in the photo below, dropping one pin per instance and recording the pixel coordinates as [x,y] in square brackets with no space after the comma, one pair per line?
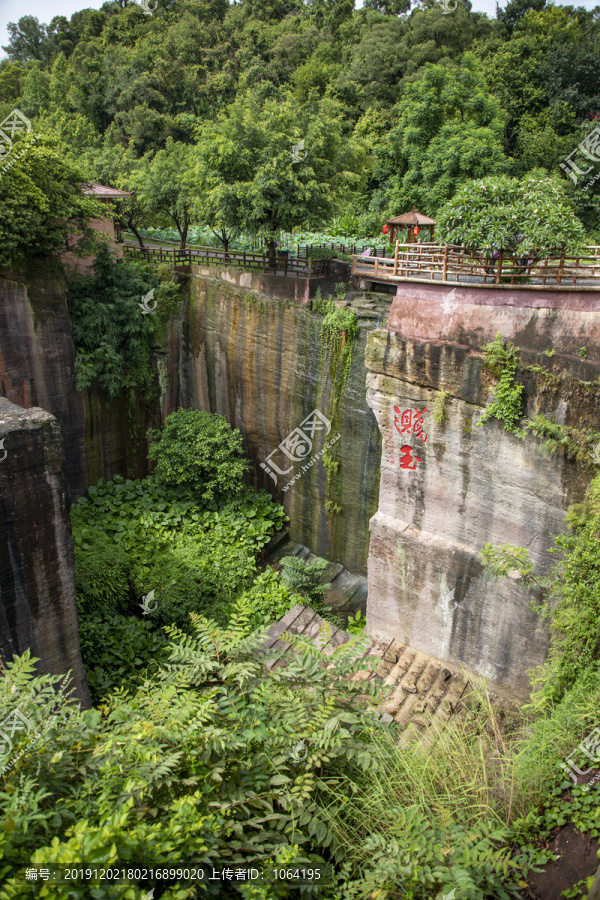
[37,581]
[472,485]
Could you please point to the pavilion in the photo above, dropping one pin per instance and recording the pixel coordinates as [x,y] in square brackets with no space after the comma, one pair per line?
[409,221]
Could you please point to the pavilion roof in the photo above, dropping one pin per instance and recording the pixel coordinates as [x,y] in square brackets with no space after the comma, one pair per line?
[414,217]
[100,190]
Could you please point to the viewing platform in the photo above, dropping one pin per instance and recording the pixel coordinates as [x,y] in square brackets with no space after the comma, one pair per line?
[453,265]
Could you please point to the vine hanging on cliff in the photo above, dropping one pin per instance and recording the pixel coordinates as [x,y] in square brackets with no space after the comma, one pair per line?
[339,332]
[507,406]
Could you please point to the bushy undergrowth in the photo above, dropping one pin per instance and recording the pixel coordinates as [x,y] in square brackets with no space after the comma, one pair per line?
[194,734]
[113,338]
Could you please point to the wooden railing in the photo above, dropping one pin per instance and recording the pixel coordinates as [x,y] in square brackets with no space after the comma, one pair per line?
[347,249]
[433,262]
[212,256]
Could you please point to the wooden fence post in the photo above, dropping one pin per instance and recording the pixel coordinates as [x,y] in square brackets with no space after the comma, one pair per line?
[396,257]
[445,275]
[499,271]
[309,262]
[561,265]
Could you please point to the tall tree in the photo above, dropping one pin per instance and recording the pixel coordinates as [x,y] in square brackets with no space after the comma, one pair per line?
[29,40]
[268,165]
[164,189]
[449,130]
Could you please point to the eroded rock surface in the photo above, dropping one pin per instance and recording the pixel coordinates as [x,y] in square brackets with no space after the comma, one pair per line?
[473,485]
[37,581]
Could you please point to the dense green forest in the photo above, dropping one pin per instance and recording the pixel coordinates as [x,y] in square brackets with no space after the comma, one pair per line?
[198,106]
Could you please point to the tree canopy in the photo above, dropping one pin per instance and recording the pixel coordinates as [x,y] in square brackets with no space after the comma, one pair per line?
[506,213]
[200,105]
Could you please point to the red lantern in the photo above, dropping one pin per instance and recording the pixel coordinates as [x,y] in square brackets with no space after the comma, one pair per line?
[385,229]
[416,230]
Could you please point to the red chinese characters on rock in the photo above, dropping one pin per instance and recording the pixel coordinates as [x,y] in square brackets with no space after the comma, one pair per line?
[406,422]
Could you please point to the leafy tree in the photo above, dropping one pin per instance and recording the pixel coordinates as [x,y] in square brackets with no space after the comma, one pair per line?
[511,14]
[449,130]
[247,175]
[36,91]
[532,213]
[112,336]
[29,40]
[43,208]
[200,452]
[163,187]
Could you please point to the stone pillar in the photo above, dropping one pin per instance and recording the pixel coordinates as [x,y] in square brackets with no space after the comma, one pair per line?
[37,579]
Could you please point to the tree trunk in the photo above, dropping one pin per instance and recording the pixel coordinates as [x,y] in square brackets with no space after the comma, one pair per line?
[272,254]
[137,234]
[184,233]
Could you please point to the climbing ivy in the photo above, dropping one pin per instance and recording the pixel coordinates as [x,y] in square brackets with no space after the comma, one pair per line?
[440,411]
[574,443]
[339,332]
[507,406]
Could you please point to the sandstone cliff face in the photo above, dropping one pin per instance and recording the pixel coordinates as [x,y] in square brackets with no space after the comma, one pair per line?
[37,582]
[473,485]
[257,361]
[37,368]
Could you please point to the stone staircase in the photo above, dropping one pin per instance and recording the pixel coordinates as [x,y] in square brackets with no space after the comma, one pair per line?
[421,689]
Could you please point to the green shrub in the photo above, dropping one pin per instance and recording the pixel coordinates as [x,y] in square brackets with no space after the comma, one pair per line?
[201,453]
[113,338]
[507,405]
[101,567]
[118,651]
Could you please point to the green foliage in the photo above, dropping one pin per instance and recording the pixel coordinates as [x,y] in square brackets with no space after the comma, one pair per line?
[157,538]
[118,651]
[200,452]
[507,404]
[304,577]
[321,306]
[440,411]
[574,601]
[582,354]
[356,624]
[505,560]
[574,443]
[570,599]
[101,567]
[435,154]
[205,748]
[114,339]
[44,210]
[530,214]
[339,331]
[247,176]
[163,187]
[268,600]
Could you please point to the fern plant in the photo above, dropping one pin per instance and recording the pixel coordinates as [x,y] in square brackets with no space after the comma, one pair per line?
[507,405]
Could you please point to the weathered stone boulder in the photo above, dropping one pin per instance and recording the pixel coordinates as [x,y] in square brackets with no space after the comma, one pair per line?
[37,581]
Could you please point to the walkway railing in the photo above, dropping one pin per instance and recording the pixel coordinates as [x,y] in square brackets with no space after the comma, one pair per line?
[433,262]
[212,256]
